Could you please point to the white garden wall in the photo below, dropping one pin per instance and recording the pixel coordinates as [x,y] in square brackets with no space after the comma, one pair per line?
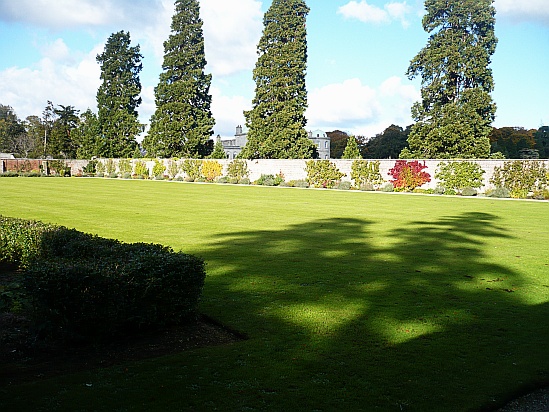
[295,169]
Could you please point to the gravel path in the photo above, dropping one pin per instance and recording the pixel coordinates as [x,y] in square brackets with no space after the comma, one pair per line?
[537,401]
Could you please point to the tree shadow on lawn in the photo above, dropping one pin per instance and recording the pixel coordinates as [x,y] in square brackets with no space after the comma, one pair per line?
[418,318]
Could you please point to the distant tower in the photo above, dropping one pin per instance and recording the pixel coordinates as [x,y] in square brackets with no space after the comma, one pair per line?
[238,130]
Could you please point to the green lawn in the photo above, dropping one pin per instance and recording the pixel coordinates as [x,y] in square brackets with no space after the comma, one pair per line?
[351,301]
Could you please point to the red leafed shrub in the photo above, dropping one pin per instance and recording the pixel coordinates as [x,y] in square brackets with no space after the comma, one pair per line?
[409,175]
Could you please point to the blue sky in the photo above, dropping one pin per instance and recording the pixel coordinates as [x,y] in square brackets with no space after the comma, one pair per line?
[358,55]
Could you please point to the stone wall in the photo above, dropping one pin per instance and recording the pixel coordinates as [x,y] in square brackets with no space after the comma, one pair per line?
[295,169]
[291,169]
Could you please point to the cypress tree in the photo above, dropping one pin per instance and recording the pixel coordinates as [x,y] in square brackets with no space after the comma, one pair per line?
[183,123]
[351,150]
[453,120]
[276,122]
[118,96]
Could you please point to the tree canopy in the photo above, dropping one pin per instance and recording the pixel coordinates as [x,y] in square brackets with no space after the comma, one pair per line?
[276,122]
[182,124]
[456,111]
[387,145]
[118,96]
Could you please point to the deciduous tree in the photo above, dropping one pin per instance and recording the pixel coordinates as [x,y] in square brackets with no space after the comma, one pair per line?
[183,123]
[276,122]
[454,117]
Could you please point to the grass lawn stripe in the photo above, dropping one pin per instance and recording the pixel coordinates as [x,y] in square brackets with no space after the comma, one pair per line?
[352,301]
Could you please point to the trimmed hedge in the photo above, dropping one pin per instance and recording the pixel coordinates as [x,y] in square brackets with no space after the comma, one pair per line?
[82,285]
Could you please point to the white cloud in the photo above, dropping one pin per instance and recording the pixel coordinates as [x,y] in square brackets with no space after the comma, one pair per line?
[29,89]
[231,31]
[360,109]
[524,10]
[368,13]
[57,50]
[228,111]
[57,14]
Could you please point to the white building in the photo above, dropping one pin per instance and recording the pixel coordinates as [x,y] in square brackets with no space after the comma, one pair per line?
[234,146]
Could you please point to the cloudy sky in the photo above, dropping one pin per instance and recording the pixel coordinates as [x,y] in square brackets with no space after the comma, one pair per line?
[359,52]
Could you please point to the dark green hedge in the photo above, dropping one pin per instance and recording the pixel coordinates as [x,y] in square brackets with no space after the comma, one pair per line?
[87,286]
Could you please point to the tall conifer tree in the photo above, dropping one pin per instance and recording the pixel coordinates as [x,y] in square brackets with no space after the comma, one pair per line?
[276,123]
[183,123]
[118,96]
[453,120]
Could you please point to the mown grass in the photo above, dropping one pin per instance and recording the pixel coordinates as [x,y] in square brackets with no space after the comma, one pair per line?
[351,301]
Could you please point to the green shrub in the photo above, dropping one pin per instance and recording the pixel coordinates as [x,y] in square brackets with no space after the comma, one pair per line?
[59,168]
[499,192]
[367,187]
[323,173]
[173,168]
[244,181]
[141,169]
[223,180]
[344,185]
[424,191]
[126,175]
[270,180]
[265,180]
[31,174]
[389,187]
[192,168]
[298,183]
[123,288]
[439,190]
[84,285]
[364,172]
[459,175]
[20,240]
[100,167]
[237,170]
[158,169]
[90,168]
[9,174]
[521,177]
[110,166]
[125,166]
[450,192]
[468,191]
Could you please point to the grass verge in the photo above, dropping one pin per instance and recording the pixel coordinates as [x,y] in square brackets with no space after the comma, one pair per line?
[352,301]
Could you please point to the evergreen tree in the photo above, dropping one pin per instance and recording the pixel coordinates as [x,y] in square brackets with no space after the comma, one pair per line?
[35,132]
[86,135]
[61,143]
[118,96]
[542,142]
[276,123]
[351,150]
[218,151]
[183,123]
[10,129]
[454,117]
